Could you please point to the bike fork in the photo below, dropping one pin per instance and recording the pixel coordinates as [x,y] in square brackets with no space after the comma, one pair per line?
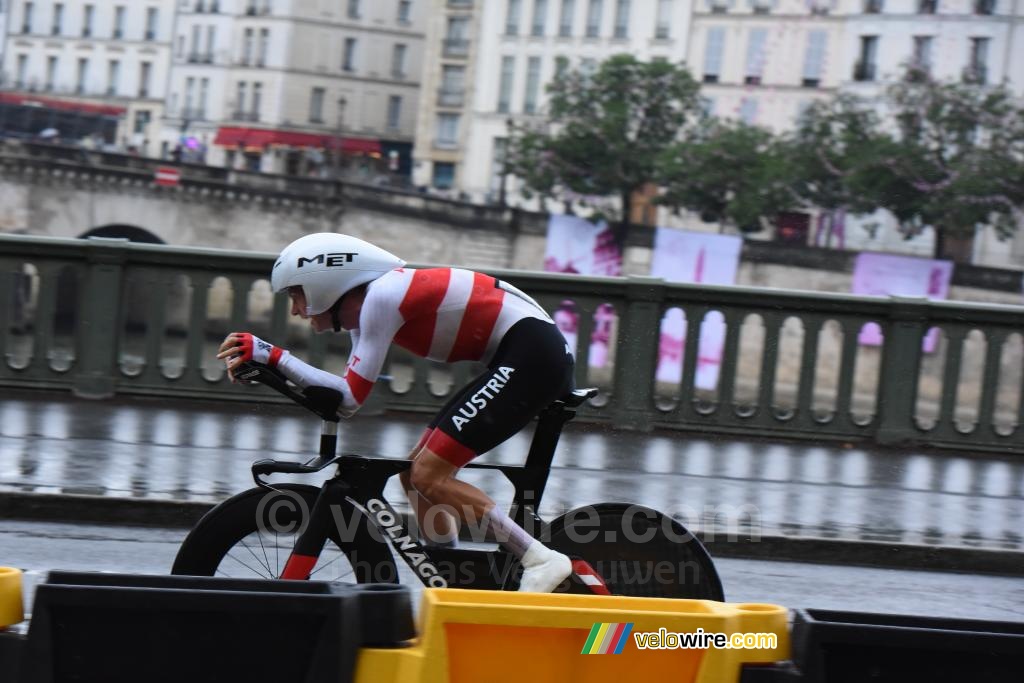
[311,540]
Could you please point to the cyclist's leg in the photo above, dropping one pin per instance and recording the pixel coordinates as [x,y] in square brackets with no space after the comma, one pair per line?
[438,525]
[530,370]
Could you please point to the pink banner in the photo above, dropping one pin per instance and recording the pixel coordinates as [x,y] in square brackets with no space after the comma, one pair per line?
[693,257]
[892,275]
[576,245]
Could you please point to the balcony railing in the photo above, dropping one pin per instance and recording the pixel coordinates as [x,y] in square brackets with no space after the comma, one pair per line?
[864,71]
[456,47]
[450,97]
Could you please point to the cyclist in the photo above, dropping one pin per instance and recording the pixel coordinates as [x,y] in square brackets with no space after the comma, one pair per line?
[446,314]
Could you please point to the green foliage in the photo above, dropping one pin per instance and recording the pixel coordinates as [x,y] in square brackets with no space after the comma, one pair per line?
[604,132]
[729,172]
[957,156]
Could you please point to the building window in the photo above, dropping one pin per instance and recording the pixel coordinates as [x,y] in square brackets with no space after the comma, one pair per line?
[204,93]
[58,19]
[398,61]
[211,33]
[240,91]
[247,38]
[83,75]
[864,69]
[532,85]
[748,111]
[540,12]
[316,105]
[977,68]
[456,43]
[984,6]
[404,7]
[565,18]
[588,67]
[713,50]
[113,75]
[51,73]
[814,58]
[353,9]
[622,19]
[261,55]
[257,101]
[349,61]
[755,56]
[87,14]
[118,31]
[922,58]
[512,18]
[452,86]
[663,24]
[190,93]
[394,112]
[927,6]
[145,70]
[22,71]
[447,131]
[872,6]
[26,19]
[594,18]
[444,175]
[152,18]
[142,119]
[508,68]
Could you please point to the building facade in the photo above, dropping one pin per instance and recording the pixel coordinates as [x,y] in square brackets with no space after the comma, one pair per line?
[87,70]
[295,86]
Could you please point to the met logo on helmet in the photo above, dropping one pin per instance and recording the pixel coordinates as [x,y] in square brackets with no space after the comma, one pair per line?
[329,260]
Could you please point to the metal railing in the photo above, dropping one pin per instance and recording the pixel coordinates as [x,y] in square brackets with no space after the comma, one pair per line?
[104,317]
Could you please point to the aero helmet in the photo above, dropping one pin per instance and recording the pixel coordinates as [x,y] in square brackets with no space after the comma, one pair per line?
[327,265]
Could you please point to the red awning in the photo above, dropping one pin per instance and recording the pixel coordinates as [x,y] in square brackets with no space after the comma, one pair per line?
[63,105]
[262,137]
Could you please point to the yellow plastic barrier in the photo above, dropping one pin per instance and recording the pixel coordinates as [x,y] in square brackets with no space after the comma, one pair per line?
[12,611]
[468,636]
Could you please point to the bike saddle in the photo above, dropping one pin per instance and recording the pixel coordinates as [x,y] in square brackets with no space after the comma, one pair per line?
[577,397]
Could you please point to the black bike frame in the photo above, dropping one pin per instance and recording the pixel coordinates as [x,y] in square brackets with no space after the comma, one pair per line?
[361,480]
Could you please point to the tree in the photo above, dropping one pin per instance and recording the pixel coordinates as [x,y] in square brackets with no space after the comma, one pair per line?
[730,173]
[604,132]
[957,159]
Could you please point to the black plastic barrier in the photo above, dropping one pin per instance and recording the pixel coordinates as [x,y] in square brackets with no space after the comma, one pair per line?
[842,647]
[114,628]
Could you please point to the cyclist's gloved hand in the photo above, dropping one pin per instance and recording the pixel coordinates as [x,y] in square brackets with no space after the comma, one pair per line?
[240,347]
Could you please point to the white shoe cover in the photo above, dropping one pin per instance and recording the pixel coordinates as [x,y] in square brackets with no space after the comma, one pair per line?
[545,576]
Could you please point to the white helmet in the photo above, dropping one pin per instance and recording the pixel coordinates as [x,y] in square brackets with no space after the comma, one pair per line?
[327,265]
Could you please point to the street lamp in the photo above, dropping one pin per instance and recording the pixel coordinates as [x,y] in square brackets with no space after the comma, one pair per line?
[342,102]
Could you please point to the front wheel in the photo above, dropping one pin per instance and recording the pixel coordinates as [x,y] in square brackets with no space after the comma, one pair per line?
[252,535]
[637,551]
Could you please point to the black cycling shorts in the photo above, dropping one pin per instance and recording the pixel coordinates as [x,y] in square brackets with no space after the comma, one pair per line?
[531,368]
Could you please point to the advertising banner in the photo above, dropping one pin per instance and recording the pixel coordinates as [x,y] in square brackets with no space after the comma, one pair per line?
[893,275]
[575,245]
[694,257]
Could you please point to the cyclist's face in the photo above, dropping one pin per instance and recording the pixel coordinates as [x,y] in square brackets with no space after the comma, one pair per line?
[320,322]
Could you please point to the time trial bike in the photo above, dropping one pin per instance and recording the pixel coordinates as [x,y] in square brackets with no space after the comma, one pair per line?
[346,530]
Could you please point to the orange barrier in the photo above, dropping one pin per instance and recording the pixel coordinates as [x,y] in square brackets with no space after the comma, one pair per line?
[469,636]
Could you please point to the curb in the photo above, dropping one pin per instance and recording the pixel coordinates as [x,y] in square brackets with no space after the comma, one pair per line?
[174,514]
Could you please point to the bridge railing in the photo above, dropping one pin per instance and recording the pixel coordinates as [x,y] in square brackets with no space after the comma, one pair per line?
[104,317]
